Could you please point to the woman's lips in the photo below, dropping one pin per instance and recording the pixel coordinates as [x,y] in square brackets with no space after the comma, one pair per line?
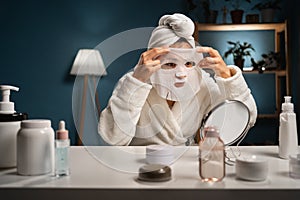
[180,84]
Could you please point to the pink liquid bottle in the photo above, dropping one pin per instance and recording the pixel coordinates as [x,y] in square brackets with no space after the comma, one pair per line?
[211,156]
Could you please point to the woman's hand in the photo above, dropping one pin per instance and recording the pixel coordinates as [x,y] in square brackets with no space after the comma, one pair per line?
[214,62]
[149,63]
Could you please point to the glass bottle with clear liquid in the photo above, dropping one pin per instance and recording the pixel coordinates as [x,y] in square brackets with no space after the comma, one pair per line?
[211,156]
[62,145]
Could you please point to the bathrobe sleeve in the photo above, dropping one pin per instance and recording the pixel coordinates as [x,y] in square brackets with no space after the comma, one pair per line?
[125,103]
[236,88]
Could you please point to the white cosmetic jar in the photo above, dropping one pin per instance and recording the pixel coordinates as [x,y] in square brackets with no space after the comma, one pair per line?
[251,168]
[35,147]
[294,166]
[160,154]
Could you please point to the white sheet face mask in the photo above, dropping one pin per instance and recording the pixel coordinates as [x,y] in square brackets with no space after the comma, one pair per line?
[179,77]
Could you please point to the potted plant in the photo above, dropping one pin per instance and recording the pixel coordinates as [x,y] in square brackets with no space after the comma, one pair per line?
[258,65]
[267,9]
[209,14]
[269,61]
[252,18]
[239,51]
[237,12]
[272,60]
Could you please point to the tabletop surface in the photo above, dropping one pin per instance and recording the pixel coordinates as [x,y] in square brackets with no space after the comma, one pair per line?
[107,167]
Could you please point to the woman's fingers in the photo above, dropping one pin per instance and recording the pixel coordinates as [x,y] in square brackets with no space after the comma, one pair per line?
[153,54]
[214,62]
[212,52]
[208,61]
[213,59]
[149,63]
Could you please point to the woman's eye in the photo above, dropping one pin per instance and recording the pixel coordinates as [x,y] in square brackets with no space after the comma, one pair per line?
[189,64]
[168,66]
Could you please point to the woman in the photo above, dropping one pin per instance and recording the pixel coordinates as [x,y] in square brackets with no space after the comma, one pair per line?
[164,99]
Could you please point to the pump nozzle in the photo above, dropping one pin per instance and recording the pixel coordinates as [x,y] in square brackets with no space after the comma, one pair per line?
[7,107]
[287,99]
[287,106]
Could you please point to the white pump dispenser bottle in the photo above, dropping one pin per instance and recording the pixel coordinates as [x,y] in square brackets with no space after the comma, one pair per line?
[10,123]
[7,107]
[288,139]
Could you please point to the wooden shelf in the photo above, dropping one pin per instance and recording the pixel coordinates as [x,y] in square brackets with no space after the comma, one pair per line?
[276,72]
[278,29]
[268,116]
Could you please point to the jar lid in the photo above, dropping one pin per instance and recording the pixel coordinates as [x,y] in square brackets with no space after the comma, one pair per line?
[36,123]
[251,159]
[160,154]
[13,117]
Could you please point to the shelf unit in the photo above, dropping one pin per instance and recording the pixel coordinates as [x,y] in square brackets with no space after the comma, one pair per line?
[278,29]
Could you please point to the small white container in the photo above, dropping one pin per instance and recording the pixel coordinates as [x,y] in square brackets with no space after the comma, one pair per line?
[251,168]
[35,147]
[159,154]
[294,166]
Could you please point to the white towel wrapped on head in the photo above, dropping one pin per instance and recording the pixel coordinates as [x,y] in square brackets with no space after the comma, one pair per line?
[170,29]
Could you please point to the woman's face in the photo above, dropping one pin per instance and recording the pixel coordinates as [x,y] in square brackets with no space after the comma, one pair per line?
[183,45]
[179,78]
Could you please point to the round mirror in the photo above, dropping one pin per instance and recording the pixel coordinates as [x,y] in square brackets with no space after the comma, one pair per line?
[231,117]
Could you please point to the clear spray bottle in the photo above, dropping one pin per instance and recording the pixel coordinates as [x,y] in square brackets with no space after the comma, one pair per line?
[288,139]
[62,145]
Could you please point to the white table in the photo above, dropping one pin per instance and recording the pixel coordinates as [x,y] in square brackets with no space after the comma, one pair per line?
[110,173]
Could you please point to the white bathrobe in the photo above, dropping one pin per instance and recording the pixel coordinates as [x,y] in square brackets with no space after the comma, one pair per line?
[137,115]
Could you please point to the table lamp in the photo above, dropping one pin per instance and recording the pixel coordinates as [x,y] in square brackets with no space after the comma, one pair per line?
[88,62]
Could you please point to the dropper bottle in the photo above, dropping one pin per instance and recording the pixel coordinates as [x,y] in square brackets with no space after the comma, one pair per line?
[62,145]
[288,139]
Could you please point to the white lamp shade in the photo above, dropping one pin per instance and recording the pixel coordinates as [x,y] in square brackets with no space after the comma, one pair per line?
[88,62]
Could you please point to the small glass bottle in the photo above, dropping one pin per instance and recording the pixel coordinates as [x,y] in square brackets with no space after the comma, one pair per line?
[62,145]
[211,156]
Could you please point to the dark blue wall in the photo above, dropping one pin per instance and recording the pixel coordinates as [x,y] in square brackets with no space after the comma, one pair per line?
[40,38]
